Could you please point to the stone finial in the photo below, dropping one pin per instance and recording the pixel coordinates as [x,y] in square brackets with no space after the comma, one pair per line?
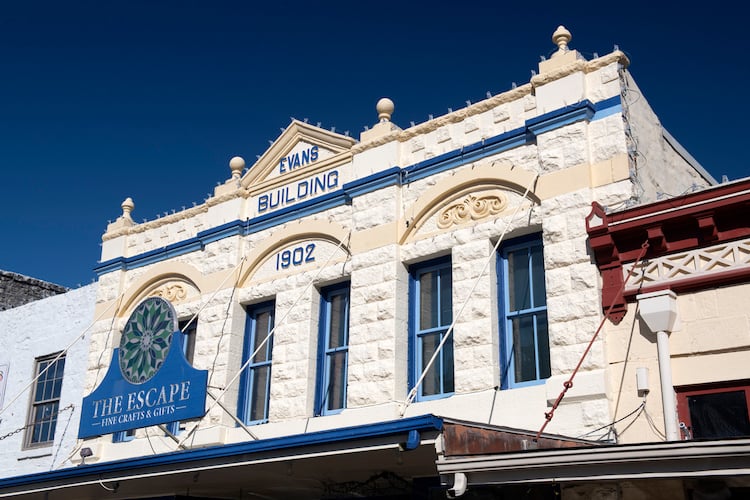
[561,37]
[563,56]
[385,109]
[127,207]
[237,164]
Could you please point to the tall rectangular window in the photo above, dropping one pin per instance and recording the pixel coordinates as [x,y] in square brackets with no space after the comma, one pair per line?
[255,382]
[334,350]
[525,340]
[45,401]
[431,313]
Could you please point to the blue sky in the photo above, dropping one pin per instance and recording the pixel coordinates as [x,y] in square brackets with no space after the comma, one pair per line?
[150,99]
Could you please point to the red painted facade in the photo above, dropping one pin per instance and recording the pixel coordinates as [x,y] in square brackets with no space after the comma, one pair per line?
[683,223]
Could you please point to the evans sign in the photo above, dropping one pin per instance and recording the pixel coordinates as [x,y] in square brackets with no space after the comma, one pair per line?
[149,381]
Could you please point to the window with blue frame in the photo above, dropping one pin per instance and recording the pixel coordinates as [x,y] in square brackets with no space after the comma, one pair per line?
[333,353]
[523,296]
[431,313]
[255,382]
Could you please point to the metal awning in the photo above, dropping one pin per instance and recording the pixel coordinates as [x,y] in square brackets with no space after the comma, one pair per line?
[298,466]
[679,459]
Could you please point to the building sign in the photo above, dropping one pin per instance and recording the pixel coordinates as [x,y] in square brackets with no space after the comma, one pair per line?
[293,193]
[148,381]
[298,159]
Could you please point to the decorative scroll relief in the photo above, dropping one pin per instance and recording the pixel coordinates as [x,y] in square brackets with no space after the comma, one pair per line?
[174,292]
[471,208]
[695,263]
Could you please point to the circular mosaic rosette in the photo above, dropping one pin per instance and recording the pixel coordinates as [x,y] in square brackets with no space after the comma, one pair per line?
[146,339]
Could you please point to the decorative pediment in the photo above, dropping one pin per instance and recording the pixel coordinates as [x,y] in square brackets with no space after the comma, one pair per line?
[300,146]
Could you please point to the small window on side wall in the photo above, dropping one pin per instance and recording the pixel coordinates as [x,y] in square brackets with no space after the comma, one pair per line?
[45,401]
[714,411]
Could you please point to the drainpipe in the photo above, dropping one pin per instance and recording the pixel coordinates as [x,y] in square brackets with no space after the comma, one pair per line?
[659,311]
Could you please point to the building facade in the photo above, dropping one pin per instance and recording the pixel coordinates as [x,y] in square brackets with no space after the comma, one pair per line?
[370,313]
[43,351]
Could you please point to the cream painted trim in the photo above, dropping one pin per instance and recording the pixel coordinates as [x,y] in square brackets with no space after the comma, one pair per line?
[188,213]
[609,171]
[580,65]
[710,366]
[492,175]
[441,121]
[488,104]
[157,276]
[296,132]
[583,176]
[305,230]
[375,237]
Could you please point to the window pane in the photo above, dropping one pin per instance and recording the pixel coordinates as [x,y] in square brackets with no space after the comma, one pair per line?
[719,415]
[428,297]
[259,392]
[448,365]
[337,335]
[542,341]
[519,292]
[446,299]
[337,381]
[524,350]
[537,270]
[262,327]
[431,383]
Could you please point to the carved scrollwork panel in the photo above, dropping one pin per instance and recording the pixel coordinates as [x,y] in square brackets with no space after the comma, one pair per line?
[173,292]
[470,208]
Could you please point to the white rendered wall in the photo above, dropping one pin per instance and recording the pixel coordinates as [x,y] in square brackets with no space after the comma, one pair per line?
[34,330]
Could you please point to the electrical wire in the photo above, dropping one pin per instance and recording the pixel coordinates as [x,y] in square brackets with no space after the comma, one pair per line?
[226,317]
[640,408]
[413,392]
[52,362]
[247,362]
[106,340]
[569,383]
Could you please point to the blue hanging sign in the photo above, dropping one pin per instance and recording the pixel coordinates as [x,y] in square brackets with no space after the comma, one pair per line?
[148,382]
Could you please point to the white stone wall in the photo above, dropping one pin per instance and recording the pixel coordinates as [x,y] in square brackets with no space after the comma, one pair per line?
[659,170]
[28,332]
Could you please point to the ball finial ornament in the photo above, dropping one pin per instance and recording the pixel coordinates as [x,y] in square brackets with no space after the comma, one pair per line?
[236,164]
[385,109]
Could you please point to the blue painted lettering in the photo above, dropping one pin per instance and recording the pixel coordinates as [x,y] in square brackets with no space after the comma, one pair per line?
[288,195]
[299,159]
